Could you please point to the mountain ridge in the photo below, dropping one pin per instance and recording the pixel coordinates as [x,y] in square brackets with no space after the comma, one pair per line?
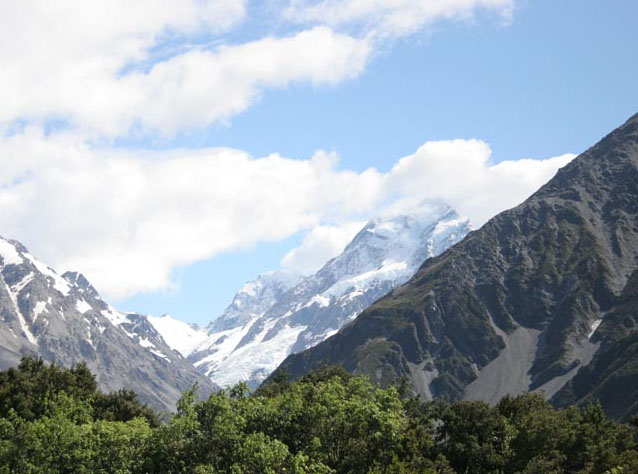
[279,312]
[549,268]
[64,320]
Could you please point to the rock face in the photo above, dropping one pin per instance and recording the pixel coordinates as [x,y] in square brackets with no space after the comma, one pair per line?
[543,297]
[64,320]
[281,313]
[612,376]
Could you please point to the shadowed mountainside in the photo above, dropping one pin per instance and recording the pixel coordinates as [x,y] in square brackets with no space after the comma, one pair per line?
[539,298]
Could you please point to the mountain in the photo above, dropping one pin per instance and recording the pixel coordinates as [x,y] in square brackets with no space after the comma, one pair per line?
[541,298]
[226,357]
[281,313]
[64,320]
[254,299]
[612,376]
[249,303]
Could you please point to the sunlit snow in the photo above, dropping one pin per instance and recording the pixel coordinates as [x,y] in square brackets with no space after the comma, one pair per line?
[59,283]
[9,253]
[178,335]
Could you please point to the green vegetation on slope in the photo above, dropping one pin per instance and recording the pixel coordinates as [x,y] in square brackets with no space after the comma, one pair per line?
[53,420]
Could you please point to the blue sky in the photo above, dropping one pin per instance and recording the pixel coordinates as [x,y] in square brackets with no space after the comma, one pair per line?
[552,81]
[526,79]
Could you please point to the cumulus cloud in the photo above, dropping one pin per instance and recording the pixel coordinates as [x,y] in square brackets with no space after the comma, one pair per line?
[120,68]
[320,245]
[460,173]
[107,67]
[392,18]
[127,220]
[202,87]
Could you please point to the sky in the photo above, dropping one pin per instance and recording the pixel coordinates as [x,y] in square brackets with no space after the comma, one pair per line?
[172,151]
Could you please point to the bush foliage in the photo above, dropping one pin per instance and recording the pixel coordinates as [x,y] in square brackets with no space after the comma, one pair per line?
[54,420]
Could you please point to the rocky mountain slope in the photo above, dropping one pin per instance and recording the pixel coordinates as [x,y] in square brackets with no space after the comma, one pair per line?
[612,375]
[542,298]
[281,313]
[64,320]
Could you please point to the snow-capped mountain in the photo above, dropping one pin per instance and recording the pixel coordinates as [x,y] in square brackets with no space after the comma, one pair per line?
[249,303]
[279,314]
[254,299]
[64,319]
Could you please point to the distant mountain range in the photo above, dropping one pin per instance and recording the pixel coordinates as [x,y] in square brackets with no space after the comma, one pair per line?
[281,313]
[544,297]
[64,320]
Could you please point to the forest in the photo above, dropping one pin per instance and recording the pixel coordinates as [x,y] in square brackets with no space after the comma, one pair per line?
[56,420]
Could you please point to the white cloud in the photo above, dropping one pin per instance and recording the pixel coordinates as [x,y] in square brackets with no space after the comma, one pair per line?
[320,245]
[392,18]
[128,219]
[108,66]
[460,173]
[202,87]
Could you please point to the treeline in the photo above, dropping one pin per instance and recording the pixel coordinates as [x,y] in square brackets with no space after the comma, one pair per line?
[55,420]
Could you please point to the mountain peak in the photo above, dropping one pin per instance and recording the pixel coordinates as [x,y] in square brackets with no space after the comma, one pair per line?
[262,326]
[82,284]
[63,319]
[9,254]
[254,298]
[400,237]
[521,304]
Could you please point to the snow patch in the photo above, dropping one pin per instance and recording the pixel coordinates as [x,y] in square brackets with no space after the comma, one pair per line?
[180,336]
[9,253]
[145,343]
[320,300]
[89,339]
[221,350]
[82,306]
[114,316]
[250,288]
[18,287]
[398,272]
[160,355]
[59,283]
[594,326]
[39,308]
[443,227]
[23,323]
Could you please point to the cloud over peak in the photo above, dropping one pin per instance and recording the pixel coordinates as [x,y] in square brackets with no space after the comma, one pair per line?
[76,73]
[128,219]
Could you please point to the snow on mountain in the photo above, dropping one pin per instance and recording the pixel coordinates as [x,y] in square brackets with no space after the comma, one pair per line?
[62,318]
[279,314]
[254,299]
[249,303]
[183,337]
